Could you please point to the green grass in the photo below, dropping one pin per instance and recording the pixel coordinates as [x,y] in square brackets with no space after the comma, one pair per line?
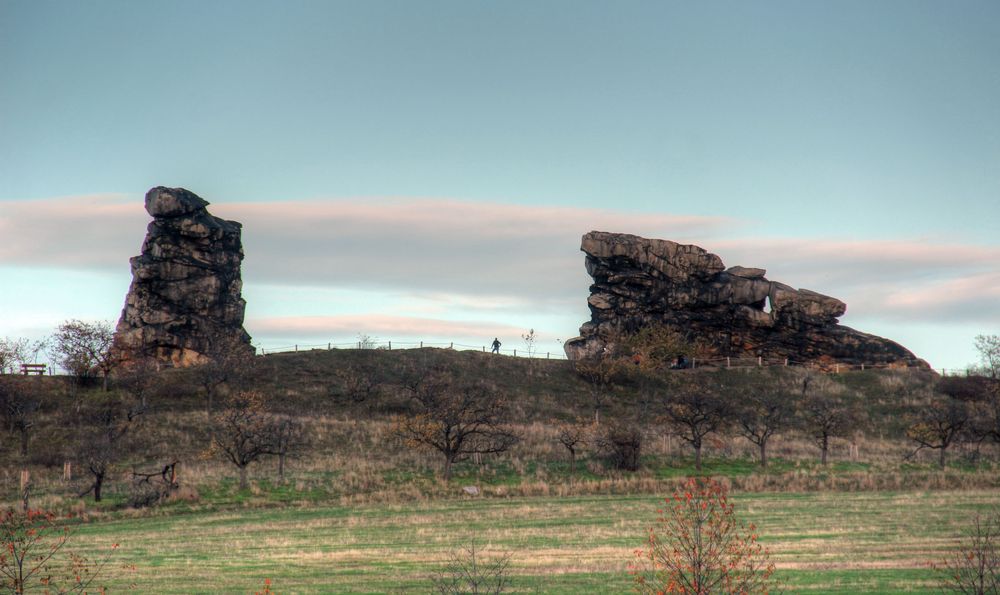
[870,525]
[822,542]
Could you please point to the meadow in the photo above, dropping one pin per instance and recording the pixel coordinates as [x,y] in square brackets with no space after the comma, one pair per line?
[825,542]
[359,511]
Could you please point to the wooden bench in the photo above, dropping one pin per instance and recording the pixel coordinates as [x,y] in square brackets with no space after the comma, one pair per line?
[28,369]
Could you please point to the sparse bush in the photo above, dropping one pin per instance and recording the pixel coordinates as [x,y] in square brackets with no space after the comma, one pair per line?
[621,443]
[148,489]
[469,571]
[33,556]
[975,568]
[698,547]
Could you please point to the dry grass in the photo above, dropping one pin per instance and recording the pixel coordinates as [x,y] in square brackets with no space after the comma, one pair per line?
[559,545]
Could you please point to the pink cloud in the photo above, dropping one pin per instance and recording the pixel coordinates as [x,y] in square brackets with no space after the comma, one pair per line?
[382,325]
[975,297]
[456,253]
[101,230]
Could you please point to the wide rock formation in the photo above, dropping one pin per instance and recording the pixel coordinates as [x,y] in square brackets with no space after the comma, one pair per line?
[184,306]
[729,312]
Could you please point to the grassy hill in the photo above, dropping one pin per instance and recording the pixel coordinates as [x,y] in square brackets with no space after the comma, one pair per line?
[361,511]
[354,455]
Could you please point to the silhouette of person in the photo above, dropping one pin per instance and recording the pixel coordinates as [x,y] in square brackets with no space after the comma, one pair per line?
[496,345]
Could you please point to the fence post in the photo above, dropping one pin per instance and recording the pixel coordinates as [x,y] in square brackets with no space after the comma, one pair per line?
[421,344]
[760,361]
[862,367]
[329,346]
[786,362]
[728,363]
[451,345]
[515,353]
[546,355]
[694,363]
[484,349]
[837,369]
[296,347]
[25,487]
[67,471]
[390,345]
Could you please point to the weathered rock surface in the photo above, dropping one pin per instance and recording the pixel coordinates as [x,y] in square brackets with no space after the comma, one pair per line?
[733,312]
[184,301]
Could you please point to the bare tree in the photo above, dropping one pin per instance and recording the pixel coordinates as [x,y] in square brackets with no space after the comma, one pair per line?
[693,411]
[108,422]
[139,378]
[456,419]
[228,366]
[83,347]
[988,347]
[470,571]
[601,373]
[939,425]
[982,395]
[12,353]
[975,568]
[765,408]
[572,435]
[288,439]
[825,412]
[244,431]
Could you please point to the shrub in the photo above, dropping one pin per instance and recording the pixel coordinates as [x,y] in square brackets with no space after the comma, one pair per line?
[468,571]
[621,443]
[975,568]
[698,546]
[33,555]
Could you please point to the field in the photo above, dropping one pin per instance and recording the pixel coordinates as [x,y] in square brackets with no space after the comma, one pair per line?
[360,511]
[822,542]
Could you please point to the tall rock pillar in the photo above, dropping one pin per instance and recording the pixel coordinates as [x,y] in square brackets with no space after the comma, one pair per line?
[184,305]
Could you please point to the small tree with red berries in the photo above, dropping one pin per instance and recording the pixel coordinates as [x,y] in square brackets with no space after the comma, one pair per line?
[33,556]
[698,546]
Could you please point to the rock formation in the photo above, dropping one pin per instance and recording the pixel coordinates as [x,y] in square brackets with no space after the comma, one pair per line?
[733,312]
[184,305]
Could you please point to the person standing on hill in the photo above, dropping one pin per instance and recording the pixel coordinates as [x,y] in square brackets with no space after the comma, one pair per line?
[496,345]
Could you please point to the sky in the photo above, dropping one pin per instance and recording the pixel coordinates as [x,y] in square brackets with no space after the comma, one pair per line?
[425,170]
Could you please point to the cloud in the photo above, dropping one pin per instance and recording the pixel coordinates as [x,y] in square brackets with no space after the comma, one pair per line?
[964,299]
[93,231]
[434,246]
[378,325]
[904,280]
[479,260]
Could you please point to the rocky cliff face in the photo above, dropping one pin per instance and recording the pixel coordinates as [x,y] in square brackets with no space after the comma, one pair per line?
[184,304]
[730,311]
